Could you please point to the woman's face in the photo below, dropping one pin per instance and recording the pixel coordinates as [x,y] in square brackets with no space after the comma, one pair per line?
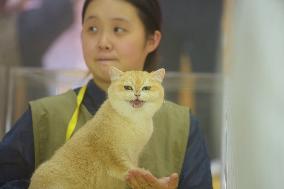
[113,34]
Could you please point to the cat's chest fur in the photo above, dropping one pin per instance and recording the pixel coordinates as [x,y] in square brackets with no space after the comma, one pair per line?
[127,135]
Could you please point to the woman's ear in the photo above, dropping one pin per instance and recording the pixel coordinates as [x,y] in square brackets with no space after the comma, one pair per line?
[153,41]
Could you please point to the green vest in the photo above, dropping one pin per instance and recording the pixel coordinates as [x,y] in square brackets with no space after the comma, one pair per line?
[163,155]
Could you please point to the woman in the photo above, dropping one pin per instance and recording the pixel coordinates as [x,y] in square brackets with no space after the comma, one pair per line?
[125,34]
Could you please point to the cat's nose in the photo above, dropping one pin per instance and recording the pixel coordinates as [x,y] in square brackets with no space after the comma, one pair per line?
[137,95]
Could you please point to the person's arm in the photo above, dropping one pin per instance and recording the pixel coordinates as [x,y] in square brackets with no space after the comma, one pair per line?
[17,154]
[196,173]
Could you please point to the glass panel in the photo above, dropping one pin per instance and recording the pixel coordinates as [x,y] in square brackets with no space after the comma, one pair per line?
[28,84]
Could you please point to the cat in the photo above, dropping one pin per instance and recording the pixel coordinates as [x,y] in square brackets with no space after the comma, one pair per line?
[100,153]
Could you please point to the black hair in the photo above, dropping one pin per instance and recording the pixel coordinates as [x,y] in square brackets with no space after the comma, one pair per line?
[149,12]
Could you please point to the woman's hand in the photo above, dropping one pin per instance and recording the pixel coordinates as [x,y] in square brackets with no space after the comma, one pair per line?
[143,179]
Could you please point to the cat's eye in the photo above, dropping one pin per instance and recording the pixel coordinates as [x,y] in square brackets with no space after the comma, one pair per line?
[146,88]
[127,87]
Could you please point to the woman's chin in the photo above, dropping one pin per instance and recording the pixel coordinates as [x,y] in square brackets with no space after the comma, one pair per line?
[101,71]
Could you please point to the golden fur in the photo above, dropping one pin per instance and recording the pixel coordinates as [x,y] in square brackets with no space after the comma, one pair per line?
[100,154]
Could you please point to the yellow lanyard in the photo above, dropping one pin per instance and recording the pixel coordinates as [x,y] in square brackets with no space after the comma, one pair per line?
[74,119]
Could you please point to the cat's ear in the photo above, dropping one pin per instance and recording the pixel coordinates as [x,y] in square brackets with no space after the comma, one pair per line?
[114,73]
[159,74]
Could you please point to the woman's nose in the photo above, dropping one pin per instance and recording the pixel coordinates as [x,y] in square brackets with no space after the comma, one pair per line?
[104,42]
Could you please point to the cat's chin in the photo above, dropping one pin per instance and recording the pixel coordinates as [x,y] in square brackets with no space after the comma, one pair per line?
[137,103]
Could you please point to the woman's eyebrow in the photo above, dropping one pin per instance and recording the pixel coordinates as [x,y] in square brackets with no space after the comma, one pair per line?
[91,17]
[121,19]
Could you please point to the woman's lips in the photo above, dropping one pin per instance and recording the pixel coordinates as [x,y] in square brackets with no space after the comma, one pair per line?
[106,60]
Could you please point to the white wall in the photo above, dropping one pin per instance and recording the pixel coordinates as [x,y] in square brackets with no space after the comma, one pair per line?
[255,109]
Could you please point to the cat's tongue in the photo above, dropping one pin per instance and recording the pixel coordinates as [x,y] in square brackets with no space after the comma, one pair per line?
[136,103]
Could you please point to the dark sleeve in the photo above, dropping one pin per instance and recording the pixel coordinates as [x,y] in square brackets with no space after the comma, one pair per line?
[17,154]
[196,173]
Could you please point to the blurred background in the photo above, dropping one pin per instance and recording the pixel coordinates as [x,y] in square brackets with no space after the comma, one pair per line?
[224,59]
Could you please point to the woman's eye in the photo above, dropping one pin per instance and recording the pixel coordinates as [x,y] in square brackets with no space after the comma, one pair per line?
[129,88]
[146,88]
[119,30]
[93,29]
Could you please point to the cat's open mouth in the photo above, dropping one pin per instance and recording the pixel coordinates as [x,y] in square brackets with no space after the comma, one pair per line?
[137,103]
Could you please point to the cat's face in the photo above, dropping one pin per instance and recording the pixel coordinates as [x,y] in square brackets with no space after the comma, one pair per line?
[136,90]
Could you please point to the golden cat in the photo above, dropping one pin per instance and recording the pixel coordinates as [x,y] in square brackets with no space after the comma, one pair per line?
[100,154]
